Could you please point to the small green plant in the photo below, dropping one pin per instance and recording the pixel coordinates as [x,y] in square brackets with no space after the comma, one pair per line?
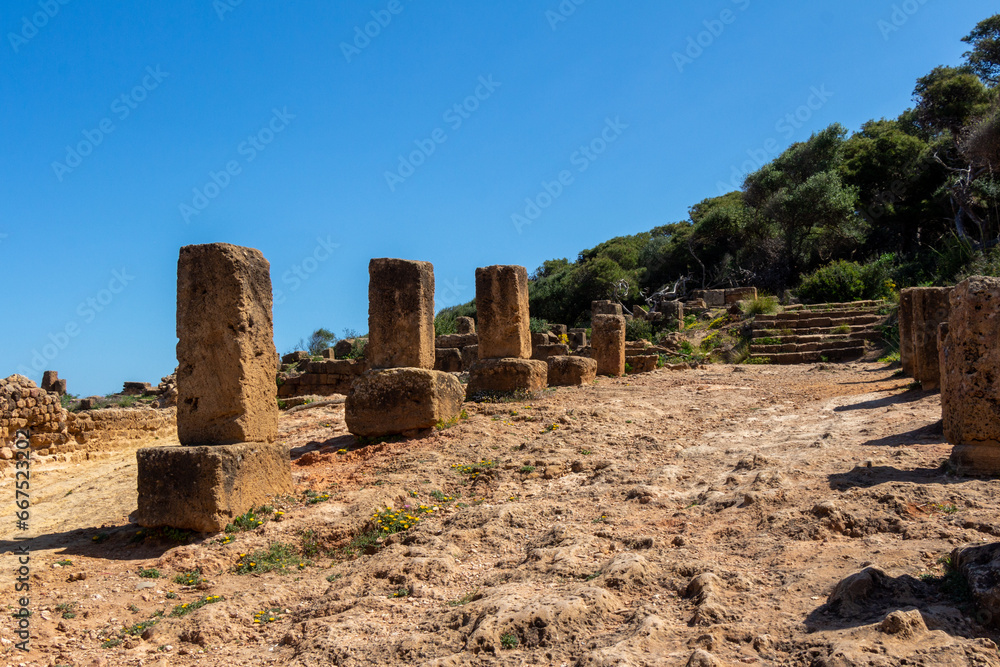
[527,469]
[842,329]
[628,368]
[139,628]
[586,452]
[314,497]
[891,358]
[149,573]
[170,595]
[758,360]
[64,562]
[690,321]
[388,520]
[767,341]
[636,329]
[401,593]
[192,578]
[278,557]
[176,535]
[509,641]
[254,518]
[67,609]
[465,599]
[111,643]
[187,607]
[601,519]
[333,577]
[269,615]
[474,469]
[100,537]
[310,544]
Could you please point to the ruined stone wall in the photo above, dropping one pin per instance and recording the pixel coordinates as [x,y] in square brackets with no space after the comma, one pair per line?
[323,378]
[56,431]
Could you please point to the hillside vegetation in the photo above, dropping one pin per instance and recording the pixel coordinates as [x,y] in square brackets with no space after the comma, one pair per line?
[901,202]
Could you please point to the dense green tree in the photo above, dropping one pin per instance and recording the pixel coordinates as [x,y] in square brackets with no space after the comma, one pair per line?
[984,57]
[948,98]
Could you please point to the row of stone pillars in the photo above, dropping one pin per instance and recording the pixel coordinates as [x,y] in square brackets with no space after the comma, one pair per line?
[950,338]
[227,414]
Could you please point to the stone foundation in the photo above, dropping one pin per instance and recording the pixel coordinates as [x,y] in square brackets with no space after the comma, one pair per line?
[204,488]
[395,401]
[507,375]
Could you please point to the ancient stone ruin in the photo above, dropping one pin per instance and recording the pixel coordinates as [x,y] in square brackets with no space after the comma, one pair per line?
[51,382]
[608,339]
[922,310]
[970,381]
[400,393]
[504,363]
[227,414]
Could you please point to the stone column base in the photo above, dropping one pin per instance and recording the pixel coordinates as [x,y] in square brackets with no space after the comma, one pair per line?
[982,458]
[393,401]
[204,488]
[507,375]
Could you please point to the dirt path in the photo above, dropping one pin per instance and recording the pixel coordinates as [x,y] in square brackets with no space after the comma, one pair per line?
[669,518]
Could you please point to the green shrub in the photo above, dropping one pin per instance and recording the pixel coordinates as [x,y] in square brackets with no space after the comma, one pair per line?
[762,305]
[843,281]
[638,330]
[444,321]
[538,325]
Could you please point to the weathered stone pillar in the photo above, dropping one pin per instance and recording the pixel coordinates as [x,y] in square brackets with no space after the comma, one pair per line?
[502,309]
[605,307]
[227,413]
[400,314]
[504,334]
[931,306]
[401,394]
[607,342]
[970,376]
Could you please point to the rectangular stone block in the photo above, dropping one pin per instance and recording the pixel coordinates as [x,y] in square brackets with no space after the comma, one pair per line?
[225,351]
[456,340]
[470,354]
[714,298]
[506,375]
[558,329]
[205,488]
[400,314]
[465,325]
[608,344]
[396,401]
[448,360]
[970,376]
[502,312]
[930,307]
[543,352]
[605,307]
[565,371]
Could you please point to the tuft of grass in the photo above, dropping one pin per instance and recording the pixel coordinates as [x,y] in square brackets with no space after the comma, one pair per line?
[758,360]
[767,341]
[64,562]
[527,469]
[842,329]
[762,305]
[149,573]
[509,641]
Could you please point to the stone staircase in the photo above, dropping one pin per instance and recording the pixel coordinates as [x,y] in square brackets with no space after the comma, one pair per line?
[805,334]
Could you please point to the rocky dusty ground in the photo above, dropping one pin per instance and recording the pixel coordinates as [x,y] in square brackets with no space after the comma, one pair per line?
[673,518]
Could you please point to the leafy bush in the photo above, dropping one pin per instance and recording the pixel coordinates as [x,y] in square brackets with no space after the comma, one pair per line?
[444,321]
[538,325]
[638,330]
[843,281]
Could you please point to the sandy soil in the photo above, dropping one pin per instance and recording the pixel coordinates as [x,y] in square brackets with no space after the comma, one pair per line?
[673,518]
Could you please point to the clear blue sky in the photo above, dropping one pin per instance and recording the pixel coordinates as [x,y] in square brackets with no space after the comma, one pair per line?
[132,129]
